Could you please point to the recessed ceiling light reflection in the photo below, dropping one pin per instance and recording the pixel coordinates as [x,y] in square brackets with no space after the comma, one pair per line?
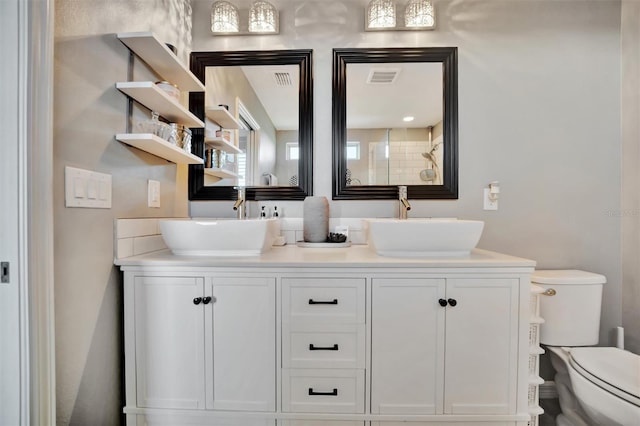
[408,118]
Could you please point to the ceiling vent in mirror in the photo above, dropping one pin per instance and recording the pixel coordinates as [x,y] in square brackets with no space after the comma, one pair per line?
[282,78]
[383,75]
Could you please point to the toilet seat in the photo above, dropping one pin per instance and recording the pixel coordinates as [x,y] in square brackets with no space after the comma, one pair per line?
[615,370]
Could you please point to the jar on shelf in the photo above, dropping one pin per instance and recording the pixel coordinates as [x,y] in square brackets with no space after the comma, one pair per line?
[169,88]
[155,126]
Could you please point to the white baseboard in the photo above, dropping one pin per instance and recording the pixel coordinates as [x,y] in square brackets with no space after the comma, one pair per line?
[548,390]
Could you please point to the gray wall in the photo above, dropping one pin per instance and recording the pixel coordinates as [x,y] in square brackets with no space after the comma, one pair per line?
[88,112]
[539,111]
[630,213]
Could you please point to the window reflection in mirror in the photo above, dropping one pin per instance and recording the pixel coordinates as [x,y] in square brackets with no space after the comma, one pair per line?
[393,136]
[264,102]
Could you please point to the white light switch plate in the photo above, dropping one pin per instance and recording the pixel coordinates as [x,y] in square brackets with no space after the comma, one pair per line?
[153,193]
[84,188]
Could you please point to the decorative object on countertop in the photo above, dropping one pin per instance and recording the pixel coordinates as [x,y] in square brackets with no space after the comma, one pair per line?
[315,219]
[335,237]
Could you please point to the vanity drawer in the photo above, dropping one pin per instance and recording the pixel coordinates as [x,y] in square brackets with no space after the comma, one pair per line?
[326,300]
[322,391]
[325,347]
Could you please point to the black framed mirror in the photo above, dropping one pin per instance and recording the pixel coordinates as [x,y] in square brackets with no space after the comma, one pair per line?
[302,186]
[434,162]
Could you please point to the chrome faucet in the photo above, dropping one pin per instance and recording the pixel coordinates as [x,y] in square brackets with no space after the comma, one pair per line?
[403,203]
[240,204]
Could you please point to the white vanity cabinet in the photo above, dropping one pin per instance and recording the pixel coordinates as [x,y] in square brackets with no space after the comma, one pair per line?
[335,337]
[200,342]
[444,345]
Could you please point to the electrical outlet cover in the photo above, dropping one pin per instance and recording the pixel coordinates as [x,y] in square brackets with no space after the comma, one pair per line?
[153,194]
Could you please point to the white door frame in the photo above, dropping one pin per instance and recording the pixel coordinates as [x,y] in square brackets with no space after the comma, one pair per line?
[27,362]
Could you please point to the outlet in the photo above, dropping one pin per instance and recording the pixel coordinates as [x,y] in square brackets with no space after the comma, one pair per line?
[489,204]
[153,194]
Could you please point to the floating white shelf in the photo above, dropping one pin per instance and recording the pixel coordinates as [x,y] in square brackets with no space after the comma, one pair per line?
[159,57]
[223,144]
[222,117]
[221,173]
[148,94]
[159,147]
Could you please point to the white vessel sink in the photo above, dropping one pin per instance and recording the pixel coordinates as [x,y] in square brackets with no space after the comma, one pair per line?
[423,237]
[219,237]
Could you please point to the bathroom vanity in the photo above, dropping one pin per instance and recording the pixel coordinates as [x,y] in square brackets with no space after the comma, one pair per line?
[326,336]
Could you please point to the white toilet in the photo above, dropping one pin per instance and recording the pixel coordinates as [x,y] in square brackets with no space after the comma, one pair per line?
[596,385]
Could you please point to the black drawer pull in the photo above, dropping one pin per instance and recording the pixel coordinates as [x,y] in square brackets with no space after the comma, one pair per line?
[323,348]
[334,392]
[323,302]
[197,300]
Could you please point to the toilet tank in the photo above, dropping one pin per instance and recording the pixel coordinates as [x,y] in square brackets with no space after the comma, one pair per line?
[572,315]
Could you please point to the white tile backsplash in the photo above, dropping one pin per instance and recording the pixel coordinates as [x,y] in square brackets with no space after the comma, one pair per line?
[137,236]
[127,228]
[147,244]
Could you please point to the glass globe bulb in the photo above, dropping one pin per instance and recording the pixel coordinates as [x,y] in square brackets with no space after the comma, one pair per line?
[381,14]
[224,18]
[263,18]
[419,14]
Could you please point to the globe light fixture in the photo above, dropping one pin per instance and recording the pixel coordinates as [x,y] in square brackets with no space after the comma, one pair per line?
[381,14]
[263,18]
[224,18]
[419,14]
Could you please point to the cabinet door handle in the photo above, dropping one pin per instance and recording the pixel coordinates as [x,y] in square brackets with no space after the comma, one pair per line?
[207,299]
[334,392]
[323,302]
[442,302]
[312,347]
[197,300]
[452,302]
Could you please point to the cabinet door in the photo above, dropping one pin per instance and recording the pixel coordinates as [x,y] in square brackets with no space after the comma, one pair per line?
[169,330]
[407,346]
[242,329]
[481,346]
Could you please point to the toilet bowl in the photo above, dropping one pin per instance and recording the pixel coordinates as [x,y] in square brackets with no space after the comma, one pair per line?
[596,385]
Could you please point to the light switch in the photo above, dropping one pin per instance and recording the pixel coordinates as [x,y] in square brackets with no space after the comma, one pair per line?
[78,187]
[92,190]
[84,188]
[153,193]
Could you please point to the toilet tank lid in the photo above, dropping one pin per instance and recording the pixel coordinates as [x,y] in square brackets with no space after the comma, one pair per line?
[566,276]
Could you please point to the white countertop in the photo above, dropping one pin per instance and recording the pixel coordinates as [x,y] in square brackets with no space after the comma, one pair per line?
[355,256]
